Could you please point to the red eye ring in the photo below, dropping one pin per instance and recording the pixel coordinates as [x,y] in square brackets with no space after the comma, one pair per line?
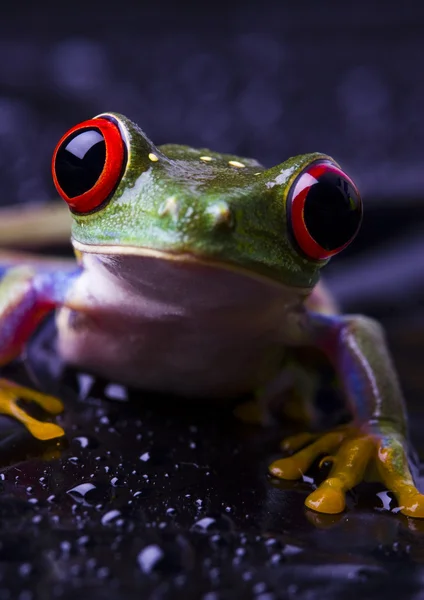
[323,218]
[109,168]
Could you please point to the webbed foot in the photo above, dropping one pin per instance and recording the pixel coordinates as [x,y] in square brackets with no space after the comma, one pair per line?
[11,393]
[353,451]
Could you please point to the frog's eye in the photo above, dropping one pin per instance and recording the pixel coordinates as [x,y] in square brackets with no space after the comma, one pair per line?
[88,163]
[324,210]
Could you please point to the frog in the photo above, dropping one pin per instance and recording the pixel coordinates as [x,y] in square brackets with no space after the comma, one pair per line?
[197,274]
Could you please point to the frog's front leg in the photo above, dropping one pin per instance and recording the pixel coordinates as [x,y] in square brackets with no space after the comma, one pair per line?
[26,296]
[376,441]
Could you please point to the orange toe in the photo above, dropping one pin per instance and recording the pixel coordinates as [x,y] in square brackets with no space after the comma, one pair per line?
[326,499]
[286,468]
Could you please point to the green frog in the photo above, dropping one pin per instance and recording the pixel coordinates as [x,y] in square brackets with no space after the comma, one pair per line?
[197,274]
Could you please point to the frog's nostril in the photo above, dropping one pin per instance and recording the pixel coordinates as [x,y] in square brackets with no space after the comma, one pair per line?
[220,214]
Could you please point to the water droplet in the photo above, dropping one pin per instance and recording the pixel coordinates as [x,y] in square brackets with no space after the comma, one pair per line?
[173,556]
[271,542]
[103,573]
[385,499]
[116,482]
[204,524]
[219,541]
[145,457]
[25,569]
[79,492]
[259,588]
[90,494]
[65,546]
[114,391]
[85,383]
[149,558]
[85,442]
[170,511]
[290,550]
[110,516]
[210,524]
[83,540]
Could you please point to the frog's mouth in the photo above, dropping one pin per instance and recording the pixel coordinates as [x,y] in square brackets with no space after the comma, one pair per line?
[111,254]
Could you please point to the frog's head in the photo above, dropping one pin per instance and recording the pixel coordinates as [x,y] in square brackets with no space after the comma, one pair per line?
[129,197]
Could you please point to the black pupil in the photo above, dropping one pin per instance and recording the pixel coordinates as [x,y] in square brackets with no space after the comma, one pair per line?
[80,161]
[333,211]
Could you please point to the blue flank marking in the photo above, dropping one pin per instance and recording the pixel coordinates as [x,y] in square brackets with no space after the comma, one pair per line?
[4,269]
[357,386]
[49,281]
[352,374]
[55,284]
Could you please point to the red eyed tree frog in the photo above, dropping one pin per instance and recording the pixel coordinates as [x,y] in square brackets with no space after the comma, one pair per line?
[197,274]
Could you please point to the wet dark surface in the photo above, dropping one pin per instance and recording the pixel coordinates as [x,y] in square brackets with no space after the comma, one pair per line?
[148,497]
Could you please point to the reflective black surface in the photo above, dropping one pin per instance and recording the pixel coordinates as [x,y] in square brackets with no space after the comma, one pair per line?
[150,497]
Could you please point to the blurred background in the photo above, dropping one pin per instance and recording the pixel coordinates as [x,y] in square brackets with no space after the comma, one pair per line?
[267,80]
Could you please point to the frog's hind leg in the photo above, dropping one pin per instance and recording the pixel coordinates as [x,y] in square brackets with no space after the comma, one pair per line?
[375,442]
[27,294]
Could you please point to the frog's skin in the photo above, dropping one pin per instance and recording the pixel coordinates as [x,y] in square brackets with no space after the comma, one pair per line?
[187,281]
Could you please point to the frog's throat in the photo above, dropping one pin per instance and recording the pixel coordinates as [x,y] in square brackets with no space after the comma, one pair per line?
[182,257]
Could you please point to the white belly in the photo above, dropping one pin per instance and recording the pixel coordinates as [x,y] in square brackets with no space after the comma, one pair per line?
[179,327]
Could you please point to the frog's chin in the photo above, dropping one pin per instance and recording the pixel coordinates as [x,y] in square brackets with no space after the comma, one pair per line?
[112,254]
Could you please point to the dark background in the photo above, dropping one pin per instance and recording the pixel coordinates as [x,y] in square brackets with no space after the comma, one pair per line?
[267,80]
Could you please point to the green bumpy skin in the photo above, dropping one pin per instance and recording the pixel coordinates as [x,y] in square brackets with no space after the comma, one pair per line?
[179,202]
